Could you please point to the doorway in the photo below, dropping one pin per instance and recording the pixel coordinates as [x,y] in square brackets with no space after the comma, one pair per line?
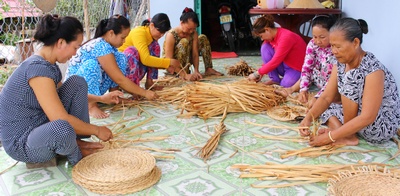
[245,43]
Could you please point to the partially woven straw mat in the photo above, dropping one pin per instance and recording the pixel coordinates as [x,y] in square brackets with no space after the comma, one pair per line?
[366,180]
[45,5]
[286,112]
[117,171]
[305,4]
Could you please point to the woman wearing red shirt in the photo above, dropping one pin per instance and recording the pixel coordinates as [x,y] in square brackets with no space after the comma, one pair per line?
[282,53]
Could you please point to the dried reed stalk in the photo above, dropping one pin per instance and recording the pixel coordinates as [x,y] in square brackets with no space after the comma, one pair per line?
[282,138]
[169,81]
[319,151]
[299,174]
[276,127]
[241,68]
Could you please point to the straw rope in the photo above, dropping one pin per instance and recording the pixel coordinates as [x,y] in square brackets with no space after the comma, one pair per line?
[365,180]
[116,171]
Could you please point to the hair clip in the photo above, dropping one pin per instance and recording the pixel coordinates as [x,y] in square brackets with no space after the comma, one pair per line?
[187,10]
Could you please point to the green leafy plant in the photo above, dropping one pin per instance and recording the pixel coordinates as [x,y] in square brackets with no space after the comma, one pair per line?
[9,39]
[5,72]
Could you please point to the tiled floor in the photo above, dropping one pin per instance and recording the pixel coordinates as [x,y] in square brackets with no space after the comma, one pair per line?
[187,174]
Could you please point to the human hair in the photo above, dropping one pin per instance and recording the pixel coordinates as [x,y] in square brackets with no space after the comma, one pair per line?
[187,14]
[262,22]
[161,22]
[51,28]
[325,21]
[351,28]
[117,23]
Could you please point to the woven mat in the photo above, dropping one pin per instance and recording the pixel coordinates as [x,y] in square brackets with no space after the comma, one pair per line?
[365,181]
[286,112]
[116,171]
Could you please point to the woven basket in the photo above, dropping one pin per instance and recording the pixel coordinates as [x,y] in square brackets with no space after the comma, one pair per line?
[286,112]
[306,4]
[366,180]
[45,5]
[116,171]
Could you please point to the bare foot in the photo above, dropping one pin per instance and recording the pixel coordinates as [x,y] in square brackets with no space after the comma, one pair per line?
[210,71]
[88,148]
[270,82]
[348,141]
[284,92]
[96,112]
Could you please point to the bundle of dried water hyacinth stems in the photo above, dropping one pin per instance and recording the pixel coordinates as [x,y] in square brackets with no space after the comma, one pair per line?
[241,68]
[212,143]
[207,100]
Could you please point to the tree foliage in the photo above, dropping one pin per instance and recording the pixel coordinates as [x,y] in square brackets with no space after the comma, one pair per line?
[5,7]
[97,9]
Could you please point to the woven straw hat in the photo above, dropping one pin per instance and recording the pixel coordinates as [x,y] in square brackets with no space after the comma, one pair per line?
[305,4]
[45,5]
[286,112]
[366,180]
[116,171]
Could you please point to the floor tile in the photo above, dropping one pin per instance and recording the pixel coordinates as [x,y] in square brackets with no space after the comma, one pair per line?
[185,173]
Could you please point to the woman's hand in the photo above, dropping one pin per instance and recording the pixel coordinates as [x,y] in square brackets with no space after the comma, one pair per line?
[303,97]
[104,133]
[174,66]
[304,127]
[112,97]
[194,77]
[150,95]
[254,77]
[321,139]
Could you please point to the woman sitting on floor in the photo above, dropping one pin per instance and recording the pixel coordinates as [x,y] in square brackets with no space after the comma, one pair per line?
[318,62]
[103,67]
[183,43]
[41,117]
[143,51]
[282,53]
[368,91]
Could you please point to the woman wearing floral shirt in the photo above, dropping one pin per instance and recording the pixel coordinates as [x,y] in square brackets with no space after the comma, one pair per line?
[318,61]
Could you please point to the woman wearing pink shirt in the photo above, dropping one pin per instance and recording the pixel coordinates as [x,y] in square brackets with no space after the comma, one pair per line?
[282,53]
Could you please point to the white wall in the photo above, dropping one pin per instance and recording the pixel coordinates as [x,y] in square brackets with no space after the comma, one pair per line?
[173,8]
[383,18]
